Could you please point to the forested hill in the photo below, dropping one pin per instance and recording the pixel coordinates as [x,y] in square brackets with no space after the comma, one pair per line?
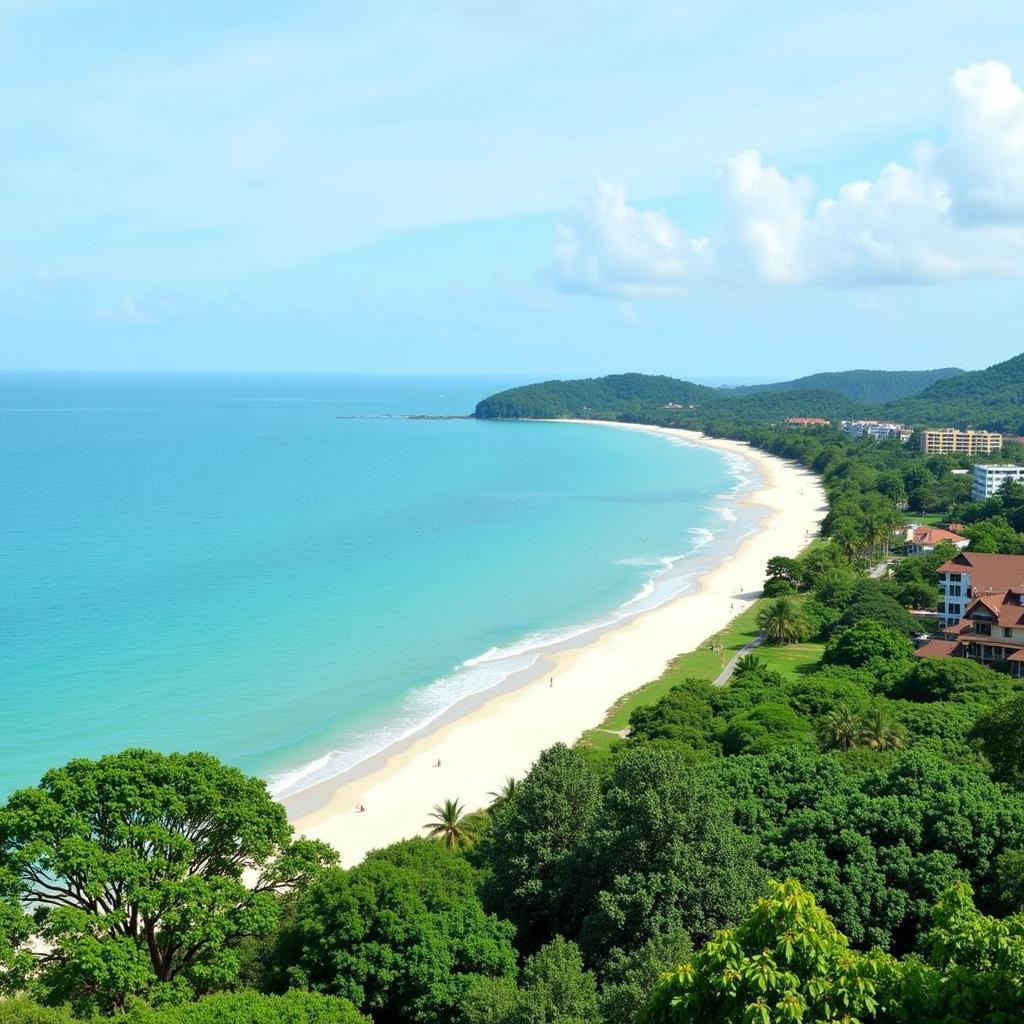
[605,397]
[636,396]
[992,398]
[861,385]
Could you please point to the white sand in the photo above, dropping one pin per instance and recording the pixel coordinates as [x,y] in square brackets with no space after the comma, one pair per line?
[505,734]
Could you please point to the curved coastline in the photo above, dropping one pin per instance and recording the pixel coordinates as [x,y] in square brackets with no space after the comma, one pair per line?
[486,736]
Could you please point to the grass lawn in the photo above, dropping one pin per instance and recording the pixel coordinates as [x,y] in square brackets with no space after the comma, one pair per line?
[933,519]
[703,663]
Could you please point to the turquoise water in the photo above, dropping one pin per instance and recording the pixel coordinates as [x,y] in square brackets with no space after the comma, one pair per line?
[222,563]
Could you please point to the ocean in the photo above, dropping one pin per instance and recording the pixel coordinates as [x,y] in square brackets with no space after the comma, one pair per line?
[287,572]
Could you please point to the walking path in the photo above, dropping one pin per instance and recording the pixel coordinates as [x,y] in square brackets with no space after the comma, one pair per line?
[726,674]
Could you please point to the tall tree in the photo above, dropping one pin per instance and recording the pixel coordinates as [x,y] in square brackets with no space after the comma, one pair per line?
[782,622]
[448,824]
[528,849]
[134,867]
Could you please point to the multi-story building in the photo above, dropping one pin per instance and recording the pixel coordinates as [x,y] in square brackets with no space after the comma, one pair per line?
[877,429]
[971,575]
[806,421]
[949,440]
[988,478]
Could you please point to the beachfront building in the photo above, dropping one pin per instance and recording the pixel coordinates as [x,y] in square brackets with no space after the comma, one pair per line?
[878,430]
[949,441]
[806,421]
[981,611]
[988,478]
[971,575]
[922,540]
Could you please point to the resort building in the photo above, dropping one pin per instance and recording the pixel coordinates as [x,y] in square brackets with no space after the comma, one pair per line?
[971,575]
[949,441]
[988,590]
[922,540]
[989,478]
[807,421]
[876,429]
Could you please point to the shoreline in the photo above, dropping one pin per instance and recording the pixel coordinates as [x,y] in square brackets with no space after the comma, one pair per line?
[499,732]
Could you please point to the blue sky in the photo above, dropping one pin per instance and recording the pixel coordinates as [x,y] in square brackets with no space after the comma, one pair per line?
[717,191]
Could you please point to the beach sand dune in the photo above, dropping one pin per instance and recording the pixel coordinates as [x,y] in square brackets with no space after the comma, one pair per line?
[501,735]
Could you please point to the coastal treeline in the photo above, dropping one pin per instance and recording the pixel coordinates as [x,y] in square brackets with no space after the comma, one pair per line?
[840,837]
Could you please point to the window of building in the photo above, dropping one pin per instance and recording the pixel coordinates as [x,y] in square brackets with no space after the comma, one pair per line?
[955,577]
[954,591]
[983,628]
[1007,632]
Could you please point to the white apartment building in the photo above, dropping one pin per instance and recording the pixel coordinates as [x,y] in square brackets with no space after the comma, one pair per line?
[988,478]
[877,430]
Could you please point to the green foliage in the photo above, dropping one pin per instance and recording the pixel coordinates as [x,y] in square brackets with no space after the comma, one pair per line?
[785,962]
[449,825]
[26,1011]
[788,962]
[951,679]
[248,1007]
[401,935]
[782,622]
[876,845]
[629,977]
[554,989]
[662,856]
[244,1007]
[134,864]
[1001,733]
[765,727]
[872,599]
[683,717]
[992,398]
[868,642]
[529,849]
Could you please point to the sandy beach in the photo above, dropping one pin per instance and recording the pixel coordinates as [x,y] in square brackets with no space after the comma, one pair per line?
[502,734]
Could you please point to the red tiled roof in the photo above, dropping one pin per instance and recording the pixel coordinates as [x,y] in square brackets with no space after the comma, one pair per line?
[937,649]
[1016,656]
[993,574]
[808,420]
[934,535]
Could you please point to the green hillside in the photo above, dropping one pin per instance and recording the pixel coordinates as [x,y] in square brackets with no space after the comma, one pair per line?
[600,397]
[862,385]
[992,398]
[642,398]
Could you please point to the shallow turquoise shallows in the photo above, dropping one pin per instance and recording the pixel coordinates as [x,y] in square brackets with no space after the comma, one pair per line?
[266,568]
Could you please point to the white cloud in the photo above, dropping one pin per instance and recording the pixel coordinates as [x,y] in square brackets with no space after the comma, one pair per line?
[985,158]
[956,212]
[618,249]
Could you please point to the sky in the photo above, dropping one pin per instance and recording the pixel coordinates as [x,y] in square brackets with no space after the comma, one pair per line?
[731,191]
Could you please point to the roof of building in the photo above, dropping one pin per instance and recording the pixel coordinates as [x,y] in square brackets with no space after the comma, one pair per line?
[990,574]
[1006,612]
[807,420]
[937,649]
[934,535]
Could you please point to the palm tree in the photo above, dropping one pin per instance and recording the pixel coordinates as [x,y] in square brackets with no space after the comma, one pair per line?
[448,824]
[505,795]
[782,622]
[878,733]
[749,664]
[841,728]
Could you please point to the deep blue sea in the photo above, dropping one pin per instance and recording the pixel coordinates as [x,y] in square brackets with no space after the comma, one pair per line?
[270,569]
